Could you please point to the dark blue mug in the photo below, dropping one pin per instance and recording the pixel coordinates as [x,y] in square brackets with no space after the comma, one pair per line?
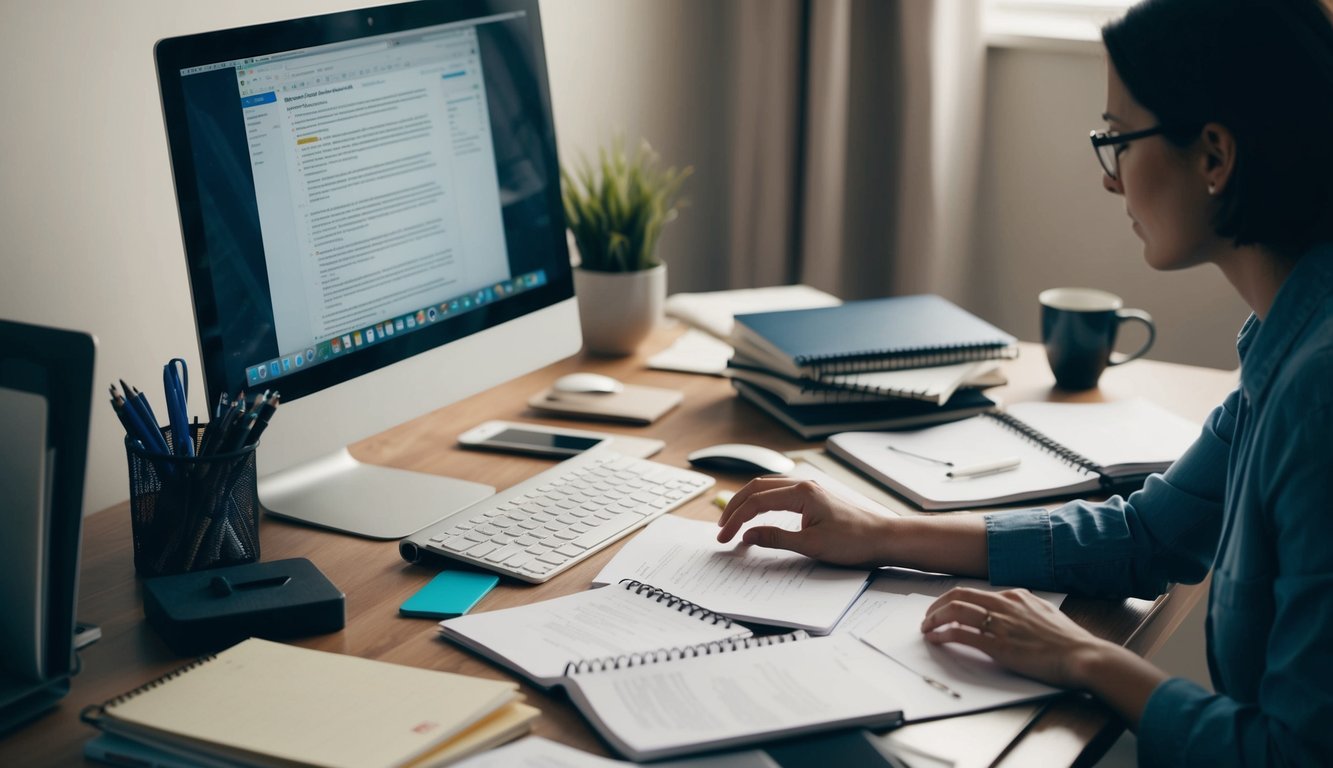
[1079,327]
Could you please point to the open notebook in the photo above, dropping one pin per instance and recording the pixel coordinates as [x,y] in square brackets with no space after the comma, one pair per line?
[618,625]
[765,586]
[747,696]
[1064,449]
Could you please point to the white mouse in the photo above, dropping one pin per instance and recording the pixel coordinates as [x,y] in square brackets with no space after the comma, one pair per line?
[739,457]
[594,383]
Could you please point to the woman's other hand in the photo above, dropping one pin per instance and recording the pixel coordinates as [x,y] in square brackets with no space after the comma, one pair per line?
[1020,631]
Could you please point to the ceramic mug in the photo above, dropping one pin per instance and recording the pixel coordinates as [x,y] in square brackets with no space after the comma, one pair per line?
[1079,327]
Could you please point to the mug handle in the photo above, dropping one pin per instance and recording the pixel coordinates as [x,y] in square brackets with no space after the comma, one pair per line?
[1122,315]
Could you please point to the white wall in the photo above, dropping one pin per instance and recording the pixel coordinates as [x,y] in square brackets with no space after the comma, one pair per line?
[91,235]
[656,70]
[91,238]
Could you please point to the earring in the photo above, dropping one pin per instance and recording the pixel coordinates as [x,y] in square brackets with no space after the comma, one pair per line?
[1212,189]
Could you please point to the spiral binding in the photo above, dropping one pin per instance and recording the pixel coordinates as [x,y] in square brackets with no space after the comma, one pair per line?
[87,714]
[895,359]
[1068,456]
[671,601]
[624,661]
[850,392]
[828,392]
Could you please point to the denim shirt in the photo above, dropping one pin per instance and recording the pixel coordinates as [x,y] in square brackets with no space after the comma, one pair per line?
[1252,498]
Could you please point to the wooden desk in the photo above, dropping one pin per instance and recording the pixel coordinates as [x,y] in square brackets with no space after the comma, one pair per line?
[376,580]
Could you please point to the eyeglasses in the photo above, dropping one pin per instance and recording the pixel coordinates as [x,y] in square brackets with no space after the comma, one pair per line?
[1107,146]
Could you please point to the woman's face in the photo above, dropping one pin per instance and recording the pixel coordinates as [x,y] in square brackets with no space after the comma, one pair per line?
[1166,194]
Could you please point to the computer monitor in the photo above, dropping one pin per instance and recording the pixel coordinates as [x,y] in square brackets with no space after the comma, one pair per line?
[370,207]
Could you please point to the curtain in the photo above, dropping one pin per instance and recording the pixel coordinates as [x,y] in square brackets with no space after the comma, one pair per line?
[856,144]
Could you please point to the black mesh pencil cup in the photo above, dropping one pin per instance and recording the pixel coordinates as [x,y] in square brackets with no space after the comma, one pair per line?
[192,513]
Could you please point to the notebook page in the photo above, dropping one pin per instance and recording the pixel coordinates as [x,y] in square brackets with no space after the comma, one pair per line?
[880,602]
[541,638]
[536,752]
[314,707]
[715,311]
[805,471]
[1125,432]
[936,383]
[768,586]
[970,441]
[694,352]
[973,679]
[756,694]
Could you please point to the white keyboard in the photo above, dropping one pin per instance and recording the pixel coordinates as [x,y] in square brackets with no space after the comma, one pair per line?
[546,524]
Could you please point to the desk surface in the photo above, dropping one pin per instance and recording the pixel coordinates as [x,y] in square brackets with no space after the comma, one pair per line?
[376,580]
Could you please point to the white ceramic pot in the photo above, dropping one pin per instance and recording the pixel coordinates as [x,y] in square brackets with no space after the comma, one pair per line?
[619,309]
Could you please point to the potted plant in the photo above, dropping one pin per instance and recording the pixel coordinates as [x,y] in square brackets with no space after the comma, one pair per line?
[616,213]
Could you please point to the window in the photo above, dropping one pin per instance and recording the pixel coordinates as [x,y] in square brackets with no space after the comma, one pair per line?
[1060,24]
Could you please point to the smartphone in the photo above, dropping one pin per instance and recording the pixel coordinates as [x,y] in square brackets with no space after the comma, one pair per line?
[531,439]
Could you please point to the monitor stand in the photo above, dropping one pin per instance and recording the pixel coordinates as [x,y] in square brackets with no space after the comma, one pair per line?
[341,493]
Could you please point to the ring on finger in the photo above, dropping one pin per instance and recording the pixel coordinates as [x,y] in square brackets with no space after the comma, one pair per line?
[985,623]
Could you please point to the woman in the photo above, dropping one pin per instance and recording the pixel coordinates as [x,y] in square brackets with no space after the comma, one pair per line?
[1220,143]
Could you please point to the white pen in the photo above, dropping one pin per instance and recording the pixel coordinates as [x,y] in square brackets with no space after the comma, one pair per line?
[985,468]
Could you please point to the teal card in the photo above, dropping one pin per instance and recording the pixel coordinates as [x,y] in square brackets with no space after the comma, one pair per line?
[449,594]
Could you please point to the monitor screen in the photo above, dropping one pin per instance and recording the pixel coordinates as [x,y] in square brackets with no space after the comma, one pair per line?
[370,207]
[355,191]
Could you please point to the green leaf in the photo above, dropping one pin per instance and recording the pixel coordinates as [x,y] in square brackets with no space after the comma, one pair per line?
[616,210]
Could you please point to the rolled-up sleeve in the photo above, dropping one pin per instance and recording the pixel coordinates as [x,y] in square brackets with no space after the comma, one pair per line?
[1166,532]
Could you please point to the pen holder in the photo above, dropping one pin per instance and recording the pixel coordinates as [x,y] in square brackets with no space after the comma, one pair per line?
[192,513]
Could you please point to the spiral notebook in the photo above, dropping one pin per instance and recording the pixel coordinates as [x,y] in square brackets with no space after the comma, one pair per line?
[821,420]
[743,696]
[620,625]
[270,704]
[1063,449]
[933,385]
[874,335]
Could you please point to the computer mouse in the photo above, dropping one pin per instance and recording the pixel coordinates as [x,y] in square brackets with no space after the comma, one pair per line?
[594,383]
[740,457]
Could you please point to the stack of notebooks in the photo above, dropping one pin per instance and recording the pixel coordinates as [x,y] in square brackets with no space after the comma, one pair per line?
[893,363]
[261,703]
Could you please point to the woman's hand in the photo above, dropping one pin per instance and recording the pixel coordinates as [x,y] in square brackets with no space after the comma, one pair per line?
[1020,631]
[832,530]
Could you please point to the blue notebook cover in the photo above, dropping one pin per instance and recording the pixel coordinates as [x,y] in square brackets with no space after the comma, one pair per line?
[876,334]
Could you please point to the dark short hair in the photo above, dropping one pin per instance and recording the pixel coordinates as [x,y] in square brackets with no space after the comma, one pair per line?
[1263,69]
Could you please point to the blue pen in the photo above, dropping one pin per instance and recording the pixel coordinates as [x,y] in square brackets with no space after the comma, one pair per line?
[176,387]
[129,417]
[138,405]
